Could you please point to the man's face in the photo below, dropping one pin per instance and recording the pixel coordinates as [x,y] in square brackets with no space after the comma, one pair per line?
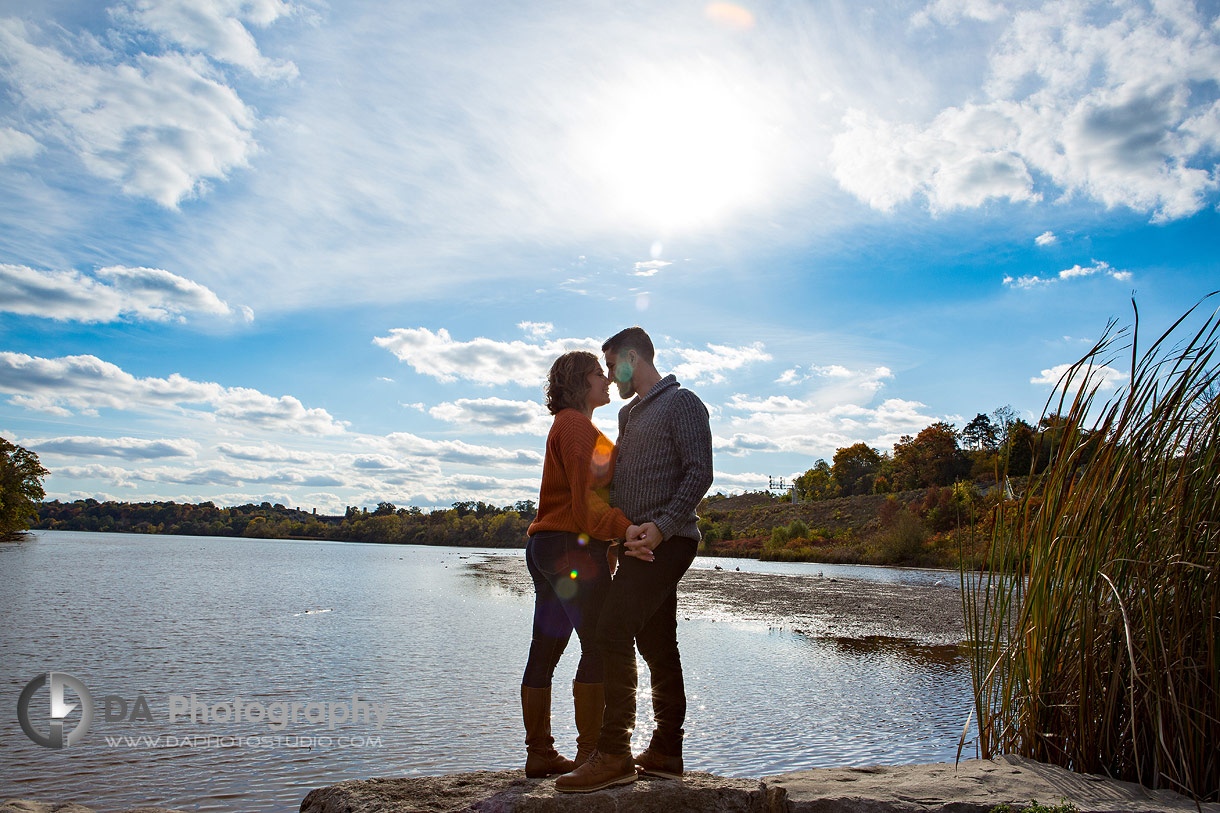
[620,369]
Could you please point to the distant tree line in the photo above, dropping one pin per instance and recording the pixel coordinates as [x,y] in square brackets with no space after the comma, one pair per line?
[989,448]
[465,524]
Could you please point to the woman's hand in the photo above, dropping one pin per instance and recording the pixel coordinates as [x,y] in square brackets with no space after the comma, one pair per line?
[642,540]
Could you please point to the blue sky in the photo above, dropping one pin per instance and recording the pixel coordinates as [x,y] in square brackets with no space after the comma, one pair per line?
[323,253]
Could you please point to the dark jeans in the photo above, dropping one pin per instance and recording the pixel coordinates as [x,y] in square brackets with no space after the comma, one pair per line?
[571,577]
[642,609]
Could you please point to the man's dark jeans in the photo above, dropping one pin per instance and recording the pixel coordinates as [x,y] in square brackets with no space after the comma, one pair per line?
[642,608]
[571,577]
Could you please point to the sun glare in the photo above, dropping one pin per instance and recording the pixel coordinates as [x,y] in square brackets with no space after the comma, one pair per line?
[679,150]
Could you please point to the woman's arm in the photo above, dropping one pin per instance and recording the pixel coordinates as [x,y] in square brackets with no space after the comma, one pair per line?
[586,456]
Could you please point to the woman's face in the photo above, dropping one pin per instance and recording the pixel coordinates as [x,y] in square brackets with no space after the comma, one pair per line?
[599,389]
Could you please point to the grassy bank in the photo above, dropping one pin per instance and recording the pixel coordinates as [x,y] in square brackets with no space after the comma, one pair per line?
[933,527]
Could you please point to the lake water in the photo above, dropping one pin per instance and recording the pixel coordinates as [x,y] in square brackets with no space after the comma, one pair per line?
[270,623]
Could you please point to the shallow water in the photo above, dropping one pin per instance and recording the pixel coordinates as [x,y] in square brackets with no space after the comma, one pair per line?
[274,621]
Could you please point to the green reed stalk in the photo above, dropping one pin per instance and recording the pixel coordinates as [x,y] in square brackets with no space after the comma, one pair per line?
[1094,626]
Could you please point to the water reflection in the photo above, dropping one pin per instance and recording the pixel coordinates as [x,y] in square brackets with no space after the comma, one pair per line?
[945,657]
[408,626]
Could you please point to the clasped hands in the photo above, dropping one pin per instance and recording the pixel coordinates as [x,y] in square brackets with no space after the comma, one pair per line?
[642,540]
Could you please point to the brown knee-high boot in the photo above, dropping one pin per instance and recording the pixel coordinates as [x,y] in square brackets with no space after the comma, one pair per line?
[590,702]
[541,757]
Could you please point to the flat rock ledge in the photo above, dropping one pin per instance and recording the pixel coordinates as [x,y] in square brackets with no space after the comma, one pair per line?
[973,786]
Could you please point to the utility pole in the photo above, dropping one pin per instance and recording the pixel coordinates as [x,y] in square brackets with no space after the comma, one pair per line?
[782,485]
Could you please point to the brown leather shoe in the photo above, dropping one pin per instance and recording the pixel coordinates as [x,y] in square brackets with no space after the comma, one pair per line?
[541,758]
[656,764]
[601,771]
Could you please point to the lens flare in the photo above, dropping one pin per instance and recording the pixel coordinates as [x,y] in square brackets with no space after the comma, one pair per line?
[730,15]
[574,574]
[582,540]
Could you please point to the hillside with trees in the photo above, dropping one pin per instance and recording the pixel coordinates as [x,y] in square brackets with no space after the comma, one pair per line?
[930,501]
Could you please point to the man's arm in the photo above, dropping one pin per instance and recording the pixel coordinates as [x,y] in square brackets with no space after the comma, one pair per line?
[692,435]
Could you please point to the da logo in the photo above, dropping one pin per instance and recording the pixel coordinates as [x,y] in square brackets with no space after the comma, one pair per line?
[60,708]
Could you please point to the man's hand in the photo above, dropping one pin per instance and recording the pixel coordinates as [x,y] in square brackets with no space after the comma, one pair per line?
[642,540]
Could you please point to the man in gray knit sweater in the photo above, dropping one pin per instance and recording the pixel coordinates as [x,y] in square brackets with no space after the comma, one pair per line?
[662,470]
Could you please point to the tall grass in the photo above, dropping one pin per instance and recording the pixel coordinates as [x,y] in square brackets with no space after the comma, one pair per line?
[1095,627]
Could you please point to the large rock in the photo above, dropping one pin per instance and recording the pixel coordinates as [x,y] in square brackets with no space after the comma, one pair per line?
[973,786]
[512,792]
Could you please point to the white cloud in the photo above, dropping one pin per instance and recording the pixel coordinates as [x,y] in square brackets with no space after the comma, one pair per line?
[481,360]
[962,159]
[1047,238]
[496,415]
[457,451]
[743,443]
[230,475]
[537,329]
[125,447]
[1103,377]
[1114,102]
[817,425]
[703,367]
[950,12]
[220,474]
[727,482]
[263,453]
[158,125]
[866,381]
[114,475]
[1027,282]
[100,496]
[649,268]
[115,292]
[15,144]
[1031,281]
[215,28]
[86,383]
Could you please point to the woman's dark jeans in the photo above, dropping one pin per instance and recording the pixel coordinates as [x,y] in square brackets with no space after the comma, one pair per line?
[642,610]
[571,577]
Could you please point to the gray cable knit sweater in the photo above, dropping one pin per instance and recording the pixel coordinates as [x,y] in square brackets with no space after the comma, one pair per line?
[664,463]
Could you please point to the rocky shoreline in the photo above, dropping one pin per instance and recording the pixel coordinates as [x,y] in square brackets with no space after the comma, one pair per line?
[812,604]
[973,786]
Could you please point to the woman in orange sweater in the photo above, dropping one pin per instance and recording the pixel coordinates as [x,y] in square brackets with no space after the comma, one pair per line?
[570,560]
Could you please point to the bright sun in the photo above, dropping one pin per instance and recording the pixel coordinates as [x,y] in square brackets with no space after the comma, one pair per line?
[683,149]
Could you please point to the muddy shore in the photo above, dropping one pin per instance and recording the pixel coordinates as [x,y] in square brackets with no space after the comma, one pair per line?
[812,604]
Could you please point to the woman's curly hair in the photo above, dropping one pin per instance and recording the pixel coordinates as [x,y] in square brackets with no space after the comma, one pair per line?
[567,384]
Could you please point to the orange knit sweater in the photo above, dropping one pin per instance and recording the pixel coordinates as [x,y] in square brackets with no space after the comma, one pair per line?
[575,479]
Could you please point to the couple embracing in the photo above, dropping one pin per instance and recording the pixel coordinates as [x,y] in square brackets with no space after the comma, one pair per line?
[614,595]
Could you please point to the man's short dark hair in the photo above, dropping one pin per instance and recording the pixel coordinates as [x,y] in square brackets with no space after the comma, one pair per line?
[633,338]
